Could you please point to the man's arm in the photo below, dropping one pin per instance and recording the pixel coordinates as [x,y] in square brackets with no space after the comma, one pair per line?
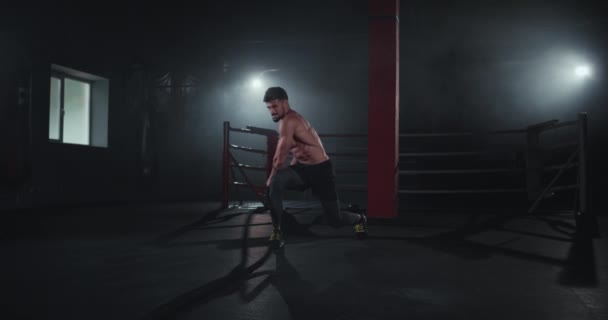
[286,132]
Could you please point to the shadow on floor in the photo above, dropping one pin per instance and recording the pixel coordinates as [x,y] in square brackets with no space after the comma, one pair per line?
[579,269]
[234,281]
[304,302]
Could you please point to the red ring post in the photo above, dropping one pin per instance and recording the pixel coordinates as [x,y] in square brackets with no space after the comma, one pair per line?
[383,115]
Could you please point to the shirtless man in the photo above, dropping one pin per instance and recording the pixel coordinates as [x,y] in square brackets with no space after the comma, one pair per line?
[310,167]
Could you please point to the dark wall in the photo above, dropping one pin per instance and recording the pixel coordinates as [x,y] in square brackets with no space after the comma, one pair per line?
[44,173]
[489,64]
[208,53]
[13,112]
[499,65]
[467,65]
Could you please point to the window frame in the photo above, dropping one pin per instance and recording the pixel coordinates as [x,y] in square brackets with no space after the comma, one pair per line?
[62,76]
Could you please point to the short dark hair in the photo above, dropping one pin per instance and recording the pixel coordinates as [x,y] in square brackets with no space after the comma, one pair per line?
[275,93]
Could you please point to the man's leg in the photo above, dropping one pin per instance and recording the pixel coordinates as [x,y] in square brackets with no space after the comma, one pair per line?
[337,218]
[326,190]
[286,179]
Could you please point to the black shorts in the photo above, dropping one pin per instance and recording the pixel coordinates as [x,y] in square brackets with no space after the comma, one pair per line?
[320,178]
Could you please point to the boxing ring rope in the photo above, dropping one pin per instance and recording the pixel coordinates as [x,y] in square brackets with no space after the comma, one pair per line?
[271,136]
[531,130]
[533,170]
[452,154]
[230,162]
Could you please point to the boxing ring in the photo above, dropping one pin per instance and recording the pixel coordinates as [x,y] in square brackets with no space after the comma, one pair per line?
[231,166]
[543,172]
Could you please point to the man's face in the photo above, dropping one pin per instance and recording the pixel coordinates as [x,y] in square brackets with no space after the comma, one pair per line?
[276,108]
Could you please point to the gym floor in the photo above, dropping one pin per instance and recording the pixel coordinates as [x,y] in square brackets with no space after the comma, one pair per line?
[194,261]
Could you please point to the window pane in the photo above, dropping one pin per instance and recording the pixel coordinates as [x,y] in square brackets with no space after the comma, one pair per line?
[55,108]
[76,97]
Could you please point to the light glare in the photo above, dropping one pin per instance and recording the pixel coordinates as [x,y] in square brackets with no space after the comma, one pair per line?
[582,71]
[256,83]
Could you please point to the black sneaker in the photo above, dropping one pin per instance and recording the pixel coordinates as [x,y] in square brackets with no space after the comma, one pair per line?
[276,239]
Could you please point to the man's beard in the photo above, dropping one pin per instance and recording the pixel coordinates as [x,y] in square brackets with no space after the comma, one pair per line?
[276,119]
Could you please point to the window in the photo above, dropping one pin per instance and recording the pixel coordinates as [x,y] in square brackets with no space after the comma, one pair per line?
[78,107]
[70,110]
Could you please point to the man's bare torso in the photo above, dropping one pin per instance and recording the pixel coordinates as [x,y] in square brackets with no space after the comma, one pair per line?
[307,147]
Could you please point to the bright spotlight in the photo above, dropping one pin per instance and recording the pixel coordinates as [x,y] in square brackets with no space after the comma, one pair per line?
[583,71]
[256,83]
